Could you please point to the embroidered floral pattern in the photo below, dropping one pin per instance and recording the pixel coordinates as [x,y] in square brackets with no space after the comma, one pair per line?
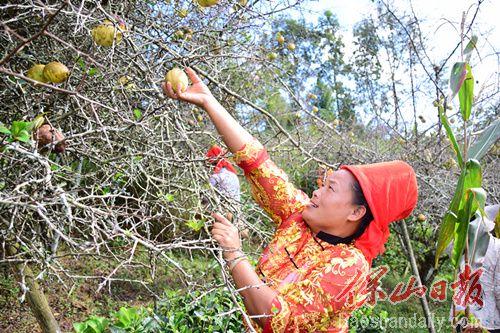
[319,284]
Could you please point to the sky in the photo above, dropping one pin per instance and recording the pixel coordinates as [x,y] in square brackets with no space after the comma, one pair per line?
[440,22]
[440,25]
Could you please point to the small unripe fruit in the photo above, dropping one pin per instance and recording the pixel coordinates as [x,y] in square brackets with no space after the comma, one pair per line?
[421,217]
[272,56]
[207,3]
[336,122]
[56,72]
[312,96]
[182,13]
[199,118]
[291,46]
[36,73]
[280,38]
[179,34]
[178,79]
[315,109]
[435,103]
[104,34]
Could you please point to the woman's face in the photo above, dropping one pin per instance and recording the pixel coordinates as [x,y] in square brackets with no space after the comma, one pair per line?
[331,206]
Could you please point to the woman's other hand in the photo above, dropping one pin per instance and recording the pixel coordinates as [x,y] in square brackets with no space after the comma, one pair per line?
[226,234]
[197,93]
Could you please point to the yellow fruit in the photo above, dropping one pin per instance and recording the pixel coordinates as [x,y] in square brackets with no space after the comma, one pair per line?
[36,73]
[336,122]
[56,72]
[272,56]
[178,34]
[207,3]
[243,3]
[199,118]
[315,109]
[402,141]
[421,217]
[123,80]
[280,38]
[312,96]
[104,34]
[291,46]
[182,13]
[178,79]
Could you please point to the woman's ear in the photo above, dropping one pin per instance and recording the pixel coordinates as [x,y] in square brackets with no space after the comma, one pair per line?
[358,213]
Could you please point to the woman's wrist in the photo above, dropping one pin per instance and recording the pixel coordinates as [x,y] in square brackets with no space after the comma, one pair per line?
[232,263]
[208,101]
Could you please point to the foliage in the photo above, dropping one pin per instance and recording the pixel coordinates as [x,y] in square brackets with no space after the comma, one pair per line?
[195,312]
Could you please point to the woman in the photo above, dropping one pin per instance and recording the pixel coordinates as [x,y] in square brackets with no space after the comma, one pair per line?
[315,268]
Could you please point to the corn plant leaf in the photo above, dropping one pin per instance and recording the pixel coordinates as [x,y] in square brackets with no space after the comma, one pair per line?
[488,138]
[457,77]
[451,136]
[474,198]
[471,45]
[478,238]
[466,94]
[469,177]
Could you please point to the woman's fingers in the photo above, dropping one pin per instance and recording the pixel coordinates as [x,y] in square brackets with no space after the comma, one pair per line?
[192,75]
[167,89]
[221,219]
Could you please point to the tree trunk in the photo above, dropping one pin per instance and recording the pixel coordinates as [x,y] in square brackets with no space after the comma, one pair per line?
[413,262]
[35,296]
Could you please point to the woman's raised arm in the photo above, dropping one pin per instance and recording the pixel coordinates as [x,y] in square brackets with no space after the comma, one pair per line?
[233,134]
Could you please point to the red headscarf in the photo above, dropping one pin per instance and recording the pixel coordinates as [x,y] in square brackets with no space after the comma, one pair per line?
[214,155]
[390,189]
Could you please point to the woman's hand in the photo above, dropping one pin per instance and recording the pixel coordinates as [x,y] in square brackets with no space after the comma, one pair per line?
[226,234]
[197,93]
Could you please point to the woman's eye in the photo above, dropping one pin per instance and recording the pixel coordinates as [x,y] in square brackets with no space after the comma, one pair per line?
[331,188]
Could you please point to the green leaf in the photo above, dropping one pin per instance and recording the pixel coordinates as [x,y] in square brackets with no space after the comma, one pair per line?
[92,71]
[81,63]
[23,136]
[466,94]
[488,138]
[457,77]
[478,238]
[469,48]
[474,198]
[195,224]
[80,327]
[451,136]
[137,114]
[470,177]
[169,197]
[4,130]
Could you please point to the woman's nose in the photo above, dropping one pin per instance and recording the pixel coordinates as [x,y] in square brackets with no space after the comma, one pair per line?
[316,193]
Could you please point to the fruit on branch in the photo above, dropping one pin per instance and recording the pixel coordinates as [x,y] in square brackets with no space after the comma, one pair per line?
[280,38]
[46,135]
[104,34]
[336,122]
[207,3]
[272,56]
[243,3]
[421,217]
[178,79]
[315,109]
[291,46]
[182,13]
[178,34]
[312,96]
[36,73]
[55,72]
